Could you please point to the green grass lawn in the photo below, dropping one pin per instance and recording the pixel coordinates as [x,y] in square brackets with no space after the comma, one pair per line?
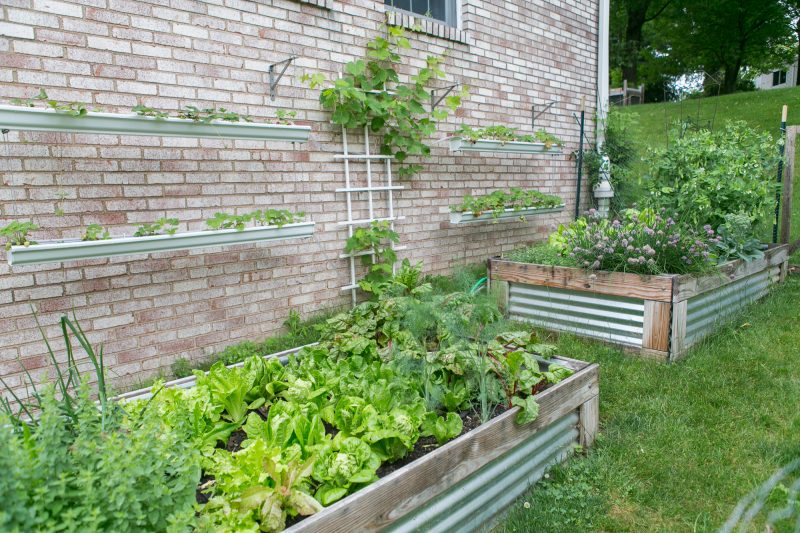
[760,109]
[682,443]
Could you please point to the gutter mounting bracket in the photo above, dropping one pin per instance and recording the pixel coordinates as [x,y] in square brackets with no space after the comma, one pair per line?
[275,79]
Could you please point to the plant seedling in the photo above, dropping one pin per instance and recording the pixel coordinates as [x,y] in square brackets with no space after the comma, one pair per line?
[162,226]
[95,232]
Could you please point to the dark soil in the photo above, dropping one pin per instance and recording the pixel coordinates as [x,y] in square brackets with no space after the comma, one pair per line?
[426,445]
[199,494]
[235,440]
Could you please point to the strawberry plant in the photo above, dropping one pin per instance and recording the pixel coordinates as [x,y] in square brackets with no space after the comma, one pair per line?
[16,233]
[498,201]
[506,134]
[162,226]
[95,232]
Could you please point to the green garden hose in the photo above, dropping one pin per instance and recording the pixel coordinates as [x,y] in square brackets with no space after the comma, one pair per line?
[478,284]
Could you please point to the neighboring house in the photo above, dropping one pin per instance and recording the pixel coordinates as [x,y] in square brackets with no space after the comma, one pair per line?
[150,310]
[778,79]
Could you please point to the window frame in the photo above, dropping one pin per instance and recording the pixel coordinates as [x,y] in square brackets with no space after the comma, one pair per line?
[452,11]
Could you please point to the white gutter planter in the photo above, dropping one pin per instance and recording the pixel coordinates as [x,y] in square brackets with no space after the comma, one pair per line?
[60,251]
[36,119]
[459,144]
[465,217]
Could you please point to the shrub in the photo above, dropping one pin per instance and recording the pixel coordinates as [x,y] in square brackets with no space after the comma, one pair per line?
[704,175]
[645,242]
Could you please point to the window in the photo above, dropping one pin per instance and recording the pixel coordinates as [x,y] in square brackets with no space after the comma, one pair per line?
[778,77]
[445,11]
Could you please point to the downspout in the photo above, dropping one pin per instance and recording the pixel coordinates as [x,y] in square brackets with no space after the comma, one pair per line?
[603,191]
[603,15]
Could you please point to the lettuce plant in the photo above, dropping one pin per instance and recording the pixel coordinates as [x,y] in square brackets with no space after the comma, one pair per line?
[346,465]
[230,388]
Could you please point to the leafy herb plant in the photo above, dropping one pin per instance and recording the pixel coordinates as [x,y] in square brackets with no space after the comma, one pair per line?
[371,94]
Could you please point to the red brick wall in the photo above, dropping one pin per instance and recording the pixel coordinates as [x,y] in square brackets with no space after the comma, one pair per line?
[113,54]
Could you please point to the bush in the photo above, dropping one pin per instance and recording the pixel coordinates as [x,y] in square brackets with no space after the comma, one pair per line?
[643,242]
[704,175]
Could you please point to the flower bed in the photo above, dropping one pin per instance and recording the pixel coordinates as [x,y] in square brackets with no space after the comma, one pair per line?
[657,315]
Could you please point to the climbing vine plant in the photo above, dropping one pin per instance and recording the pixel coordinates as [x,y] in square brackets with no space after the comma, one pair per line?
[371,94]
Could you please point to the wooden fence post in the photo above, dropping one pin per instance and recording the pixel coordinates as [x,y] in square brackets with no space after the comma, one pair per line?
[788,181]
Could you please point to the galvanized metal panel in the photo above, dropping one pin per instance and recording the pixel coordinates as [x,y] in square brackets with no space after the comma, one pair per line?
[707,311]
[470,504]
[615,319]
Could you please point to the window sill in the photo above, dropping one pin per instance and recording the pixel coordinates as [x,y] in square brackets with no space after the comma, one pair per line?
[425,25]
[324,4]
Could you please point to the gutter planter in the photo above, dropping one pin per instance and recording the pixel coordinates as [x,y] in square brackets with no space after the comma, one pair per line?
[35,119]
[459,144]
[464,483]
[60,251]
[465,217]
[655,316]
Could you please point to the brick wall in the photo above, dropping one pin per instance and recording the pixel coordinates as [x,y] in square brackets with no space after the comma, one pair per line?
[148,311]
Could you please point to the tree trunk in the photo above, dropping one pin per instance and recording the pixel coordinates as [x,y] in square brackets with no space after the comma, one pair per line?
[731,78]
[797,59]
[637,17]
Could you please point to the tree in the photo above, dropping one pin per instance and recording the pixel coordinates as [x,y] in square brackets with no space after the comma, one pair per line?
[729,36]
[793,10]
[628,22]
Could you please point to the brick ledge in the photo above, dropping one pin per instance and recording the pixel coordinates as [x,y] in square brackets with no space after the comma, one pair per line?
[426,26]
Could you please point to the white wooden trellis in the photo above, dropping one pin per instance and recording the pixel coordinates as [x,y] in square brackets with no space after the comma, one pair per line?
[370,189]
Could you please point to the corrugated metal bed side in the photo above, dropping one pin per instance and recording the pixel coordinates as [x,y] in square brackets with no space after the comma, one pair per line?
[616,319]
[472,503]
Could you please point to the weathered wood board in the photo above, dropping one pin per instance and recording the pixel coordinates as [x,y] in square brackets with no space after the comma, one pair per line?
[401,492]
[664,298]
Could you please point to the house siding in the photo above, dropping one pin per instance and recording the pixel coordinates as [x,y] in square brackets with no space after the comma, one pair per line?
[114,54]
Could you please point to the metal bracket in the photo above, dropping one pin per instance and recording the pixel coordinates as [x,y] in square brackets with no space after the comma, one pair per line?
[273,79]
[4,131]
[436,101]
[535,115]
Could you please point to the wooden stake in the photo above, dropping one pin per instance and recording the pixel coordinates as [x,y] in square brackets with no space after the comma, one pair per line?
[788,183]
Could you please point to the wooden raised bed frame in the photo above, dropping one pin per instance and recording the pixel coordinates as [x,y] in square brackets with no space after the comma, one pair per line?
[406,499]
[433,493]
[667,299]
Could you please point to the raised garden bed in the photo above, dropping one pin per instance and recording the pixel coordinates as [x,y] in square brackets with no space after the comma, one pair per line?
[461,485]
[465,217]
[56,252]
[459,144]
[656,316]
[35,119]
